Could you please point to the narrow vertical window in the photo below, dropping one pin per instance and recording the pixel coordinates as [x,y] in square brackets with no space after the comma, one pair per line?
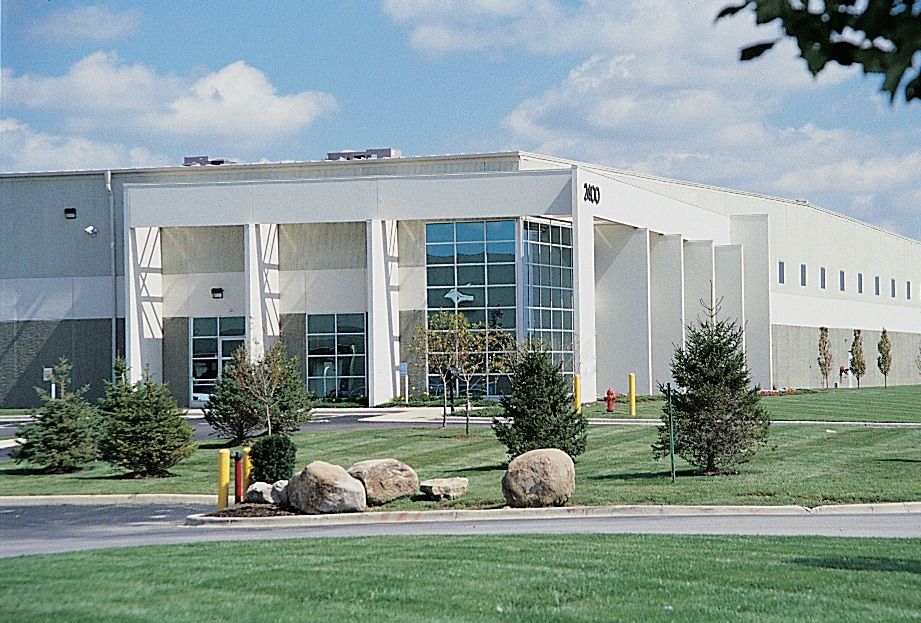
[892,288]
[780,272]
[859,283]
[841,281]
[876,284]
[908,290]
[822,277]
[802,275]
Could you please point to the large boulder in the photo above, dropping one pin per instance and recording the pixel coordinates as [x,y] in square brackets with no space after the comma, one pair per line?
[544,477]
[444,488]
[259,493]
[280,493]
[323,488]
[385,479]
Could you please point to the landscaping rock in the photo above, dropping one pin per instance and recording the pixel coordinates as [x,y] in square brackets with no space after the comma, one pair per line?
[323,488]
[444,488]
[544,477]
[259,493]
[280,492]
[385,479]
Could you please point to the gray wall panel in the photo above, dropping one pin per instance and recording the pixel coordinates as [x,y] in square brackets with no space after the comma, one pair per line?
[322,246]
[293,329]
[188,250]
[410,320]
[176,358]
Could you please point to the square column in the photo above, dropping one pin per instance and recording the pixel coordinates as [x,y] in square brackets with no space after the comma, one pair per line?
[383,311]
[583,263]
[666,261]
[622,314]
[261,287]
[698,279]
[144,303]
[729,283]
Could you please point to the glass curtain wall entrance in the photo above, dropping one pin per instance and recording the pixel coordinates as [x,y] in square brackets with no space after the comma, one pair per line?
[212,343]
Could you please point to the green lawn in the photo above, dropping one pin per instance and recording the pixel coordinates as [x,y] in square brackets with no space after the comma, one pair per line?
[872,404]
[481,578]
[802,465]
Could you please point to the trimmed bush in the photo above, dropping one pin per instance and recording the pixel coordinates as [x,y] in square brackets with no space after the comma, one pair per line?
[273,459]
[541,409]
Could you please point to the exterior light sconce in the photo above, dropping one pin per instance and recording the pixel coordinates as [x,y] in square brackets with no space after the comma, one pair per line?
[70,213]
[91,230]
[217,293]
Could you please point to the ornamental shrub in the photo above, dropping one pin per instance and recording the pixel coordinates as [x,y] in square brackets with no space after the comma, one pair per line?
[144,432]
[273,458]
[66,429]
[540,409]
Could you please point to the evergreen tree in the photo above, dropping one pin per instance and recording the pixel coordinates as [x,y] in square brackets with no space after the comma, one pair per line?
[825,357]
[266,394]
[66,430]
[541,410]
[884,361]
[718,419]
[145,432]
[858,363]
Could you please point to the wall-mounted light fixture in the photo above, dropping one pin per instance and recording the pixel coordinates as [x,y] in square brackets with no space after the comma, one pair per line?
[217,293]
[91,230]
[70,213]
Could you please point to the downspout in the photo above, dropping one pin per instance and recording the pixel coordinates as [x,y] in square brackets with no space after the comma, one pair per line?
[112,268]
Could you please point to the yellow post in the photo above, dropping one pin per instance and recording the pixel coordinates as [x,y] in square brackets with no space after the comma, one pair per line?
[632,395]
[577,392]
[223,477]
[247,468]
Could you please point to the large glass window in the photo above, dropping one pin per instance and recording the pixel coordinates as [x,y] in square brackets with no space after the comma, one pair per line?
[470,269]
[213,341]
[549,290]
[336,356]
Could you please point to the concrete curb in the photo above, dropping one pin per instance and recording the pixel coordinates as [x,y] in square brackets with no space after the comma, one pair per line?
[883,508]
[107,500]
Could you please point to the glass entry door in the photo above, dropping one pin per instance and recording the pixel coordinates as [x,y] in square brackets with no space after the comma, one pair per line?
[212,343]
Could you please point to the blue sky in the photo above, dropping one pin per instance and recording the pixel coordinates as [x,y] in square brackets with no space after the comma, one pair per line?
[652,86]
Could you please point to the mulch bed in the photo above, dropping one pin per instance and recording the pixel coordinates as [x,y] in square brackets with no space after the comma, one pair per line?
[254,510]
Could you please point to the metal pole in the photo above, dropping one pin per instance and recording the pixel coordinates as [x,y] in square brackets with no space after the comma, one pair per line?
[671,431]
[223,477]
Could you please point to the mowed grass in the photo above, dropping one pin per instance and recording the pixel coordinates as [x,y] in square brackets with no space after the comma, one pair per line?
[806,465]
[479,578]
[872,404]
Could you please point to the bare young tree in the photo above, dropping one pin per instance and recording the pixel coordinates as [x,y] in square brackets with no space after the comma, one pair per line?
[825,356]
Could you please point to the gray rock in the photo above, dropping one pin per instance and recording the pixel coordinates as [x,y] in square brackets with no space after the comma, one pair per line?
[385,479]
[544,477]
[323,488]
[259,493]
[280,493]
[444,488]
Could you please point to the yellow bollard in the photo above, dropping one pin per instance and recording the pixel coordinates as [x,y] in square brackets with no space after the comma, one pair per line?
[632,395]
[247,468]
[223,477]
[577,392]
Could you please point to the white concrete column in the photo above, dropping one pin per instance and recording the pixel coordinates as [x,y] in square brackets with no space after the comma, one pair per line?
[144,303]
[752,232]
[666,263]
[383,311]
[261,290]
[622,312]
[583,260]
[729,282]
[698,279]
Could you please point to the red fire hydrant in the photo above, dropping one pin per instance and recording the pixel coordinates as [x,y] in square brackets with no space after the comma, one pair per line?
[611,397]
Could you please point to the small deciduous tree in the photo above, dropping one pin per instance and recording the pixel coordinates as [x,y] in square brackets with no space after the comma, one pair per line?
[144,431]
[718,419]
[66,430]
[918,359]
[539,412]
[825,357]
[858,364]
[884,361]
[265,394]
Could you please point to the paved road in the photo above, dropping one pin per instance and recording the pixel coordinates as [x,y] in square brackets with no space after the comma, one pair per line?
[48,529]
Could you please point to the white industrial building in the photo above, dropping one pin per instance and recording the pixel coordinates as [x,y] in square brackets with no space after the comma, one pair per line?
[341,259]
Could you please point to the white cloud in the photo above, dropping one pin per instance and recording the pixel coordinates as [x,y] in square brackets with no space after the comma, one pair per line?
[25,149]
[87,23]
[234,108]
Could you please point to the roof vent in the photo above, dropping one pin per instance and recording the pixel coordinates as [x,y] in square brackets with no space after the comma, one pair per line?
[203,161]
[368,154]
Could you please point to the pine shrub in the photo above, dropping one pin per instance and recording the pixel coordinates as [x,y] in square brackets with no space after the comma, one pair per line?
[66,430]
[145,432]
[273,458]
[541,410]
[718,419]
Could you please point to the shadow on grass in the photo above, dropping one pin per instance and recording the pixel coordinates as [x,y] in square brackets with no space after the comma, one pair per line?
[644,475]
[898,460]
[475,470]
[216,445]
[862,563]
[23,471]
